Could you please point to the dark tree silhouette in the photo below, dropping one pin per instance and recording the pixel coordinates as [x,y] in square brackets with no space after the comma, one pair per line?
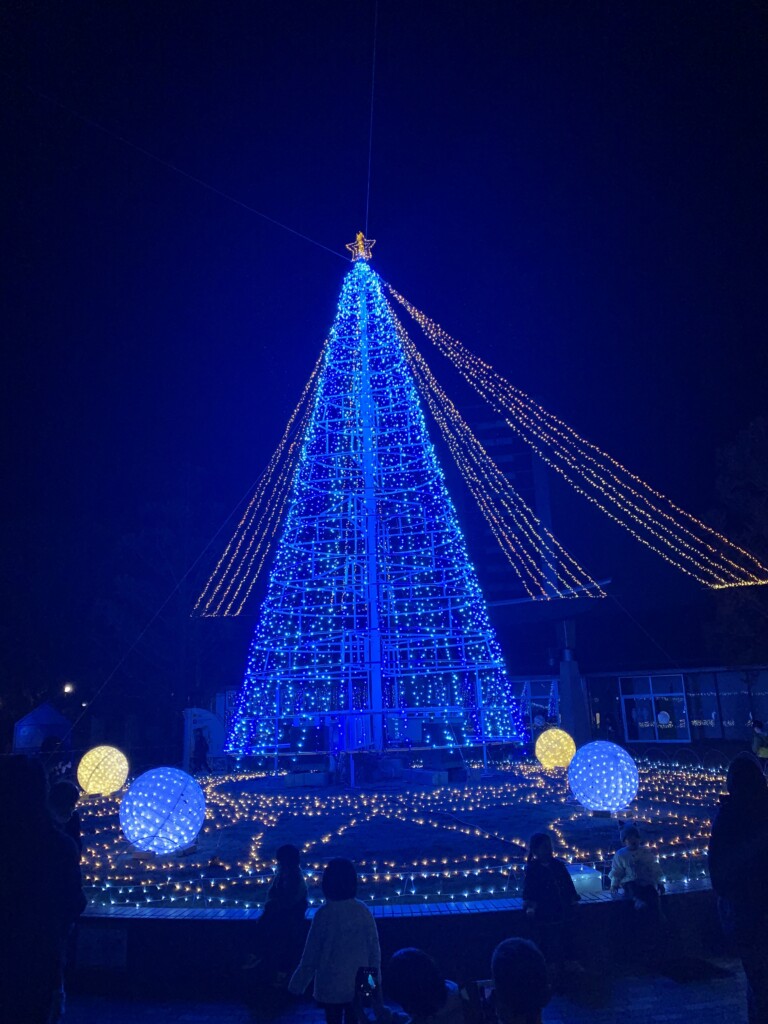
[741,613]
[167,659]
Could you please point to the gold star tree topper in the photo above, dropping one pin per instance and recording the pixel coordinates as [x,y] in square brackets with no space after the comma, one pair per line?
[361,247]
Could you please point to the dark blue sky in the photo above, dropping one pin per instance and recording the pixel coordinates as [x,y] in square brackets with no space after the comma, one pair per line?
[576,190]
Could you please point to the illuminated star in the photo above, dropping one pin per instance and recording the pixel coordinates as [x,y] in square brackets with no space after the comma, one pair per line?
[361,247]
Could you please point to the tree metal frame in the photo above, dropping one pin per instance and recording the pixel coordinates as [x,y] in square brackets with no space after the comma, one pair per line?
[373,633]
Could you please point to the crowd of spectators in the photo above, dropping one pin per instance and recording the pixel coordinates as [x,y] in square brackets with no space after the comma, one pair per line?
[340,958]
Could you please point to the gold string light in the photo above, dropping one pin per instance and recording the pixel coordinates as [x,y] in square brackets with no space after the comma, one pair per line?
[653,519]
[528,545]
[223,592]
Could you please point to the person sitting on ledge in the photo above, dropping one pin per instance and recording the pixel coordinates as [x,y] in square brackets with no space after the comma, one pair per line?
[636,870]
[521,990]
[414,982]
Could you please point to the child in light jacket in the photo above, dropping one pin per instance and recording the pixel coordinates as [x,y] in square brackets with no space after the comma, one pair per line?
[342,946]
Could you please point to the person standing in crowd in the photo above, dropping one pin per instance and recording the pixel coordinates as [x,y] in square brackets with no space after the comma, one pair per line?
[342,949]
[520,987]
[414,982]
[41,896]
[200,753]
[549,897]
[282,923]
[738,868]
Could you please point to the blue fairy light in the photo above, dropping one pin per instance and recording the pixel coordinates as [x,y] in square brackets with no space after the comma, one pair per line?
[163,811]
[603,776]
[372,604]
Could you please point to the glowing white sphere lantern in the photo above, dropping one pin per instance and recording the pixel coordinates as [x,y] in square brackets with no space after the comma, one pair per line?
[102,770]
[603,777]
[162,811]
[555,749]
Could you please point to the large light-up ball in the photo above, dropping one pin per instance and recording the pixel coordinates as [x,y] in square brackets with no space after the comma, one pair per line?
[555,749]
[162,811]
[102,770]
[603,777]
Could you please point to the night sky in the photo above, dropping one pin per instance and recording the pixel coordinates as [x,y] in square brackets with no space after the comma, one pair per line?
[576,190]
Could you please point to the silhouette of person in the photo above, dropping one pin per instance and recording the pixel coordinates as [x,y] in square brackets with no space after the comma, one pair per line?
[40,895]
[549,897]
[283,928]
[521,990]
[738,867]
[200,753]
[342,943]
[414,981]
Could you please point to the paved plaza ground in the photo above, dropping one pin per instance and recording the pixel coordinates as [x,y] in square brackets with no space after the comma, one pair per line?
[717,996]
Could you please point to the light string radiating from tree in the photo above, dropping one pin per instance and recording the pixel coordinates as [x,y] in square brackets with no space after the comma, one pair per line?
[528,545]
[674,534]
[231,582]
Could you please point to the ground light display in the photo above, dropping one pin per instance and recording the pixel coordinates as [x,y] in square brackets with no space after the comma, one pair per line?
[436,845]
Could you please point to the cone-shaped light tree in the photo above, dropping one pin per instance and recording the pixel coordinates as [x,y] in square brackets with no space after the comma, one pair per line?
[373,627]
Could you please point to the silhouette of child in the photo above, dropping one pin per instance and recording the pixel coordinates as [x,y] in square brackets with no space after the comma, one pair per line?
[414,981]
[521,989]
[342,943]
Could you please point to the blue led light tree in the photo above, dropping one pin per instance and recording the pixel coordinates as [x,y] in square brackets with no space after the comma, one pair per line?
[373,627]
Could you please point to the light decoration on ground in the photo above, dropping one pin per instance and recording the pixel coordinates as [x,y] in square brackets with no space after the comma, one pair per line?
[471,839]
[678,537]
[373,631]
[102,769]
[555,748]
[603,776]
[163,811]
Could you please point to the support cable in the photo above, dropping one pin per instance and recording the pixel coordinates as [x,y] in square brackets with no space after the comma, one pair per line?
[370,132]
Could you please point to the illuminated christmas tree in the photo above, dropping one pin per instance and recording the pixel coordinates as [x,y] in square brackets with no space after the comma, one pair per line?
[373,632]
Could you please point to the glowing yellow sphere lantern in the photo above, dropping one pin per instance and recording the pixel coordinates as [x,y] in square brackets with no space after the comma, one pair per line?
[555,749]
[102,770]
